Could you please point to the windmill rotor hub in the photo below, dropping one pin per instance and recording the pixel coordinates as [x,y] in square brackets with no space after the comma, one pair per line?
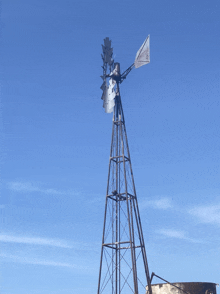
[116,75]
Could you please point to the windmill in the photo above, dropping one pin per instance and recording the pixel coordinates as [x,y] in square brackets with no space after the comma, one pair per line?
[123,264]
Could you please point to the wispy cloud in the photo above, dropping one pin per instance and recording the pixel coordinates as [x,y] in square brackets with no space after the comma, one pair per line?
[34,261]
[30,187]
[34,241]
[162,203]
[23,187]
[177,234]
[39,241]
[209,214]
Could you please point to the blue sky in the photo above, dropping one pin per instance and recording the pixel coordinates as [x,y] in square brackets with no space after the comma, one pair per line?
[55,138]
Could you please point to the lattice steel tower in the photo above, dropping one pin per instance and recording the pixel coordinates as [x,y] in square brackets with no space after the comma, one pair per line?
[123,265]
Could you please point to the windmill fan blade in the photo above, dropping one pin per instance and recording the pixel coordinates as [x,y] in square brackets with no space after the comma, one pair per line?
[103,86]
[143,54]
[107,51]
[107,42]
[108,59]
[108,95]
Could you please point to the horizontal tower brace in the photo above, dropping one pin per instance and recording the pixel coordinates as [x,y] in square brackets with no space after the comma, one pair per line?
[120,197]
[119,248]
[120,156]
[118,122]
[116,243]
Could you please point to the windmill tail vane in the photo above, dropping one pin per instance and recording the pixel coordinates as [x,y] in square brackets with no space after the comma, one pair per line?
[123,263]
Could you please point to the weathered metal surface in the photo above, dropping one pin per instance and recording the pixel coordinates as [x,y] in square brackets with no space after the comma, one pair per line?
[191,288]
